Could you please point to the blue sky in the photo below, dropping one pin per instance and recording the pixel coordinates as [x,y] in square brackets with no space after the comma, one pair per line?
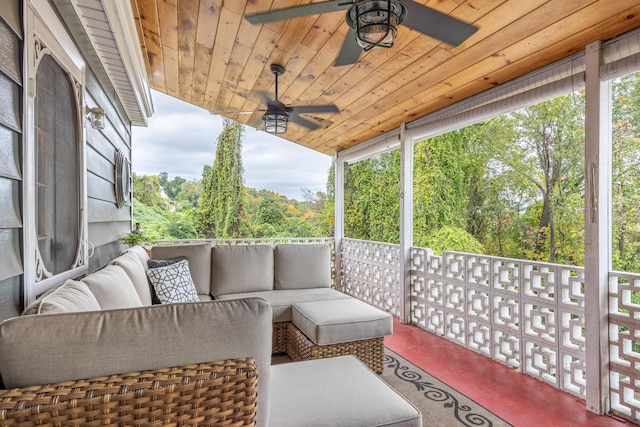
[180,140]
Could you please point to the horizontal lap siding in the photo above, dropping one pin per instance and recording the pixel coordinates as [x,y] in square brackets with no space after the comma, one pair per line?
[107,223]
[10,159]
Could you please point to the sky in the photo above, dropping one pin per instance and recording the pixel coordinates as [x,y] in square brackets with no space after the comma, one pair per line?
[180,140]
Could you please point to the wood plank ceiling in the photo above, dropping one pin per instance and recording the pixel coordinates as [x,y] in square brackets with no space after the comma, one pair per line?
[204,52]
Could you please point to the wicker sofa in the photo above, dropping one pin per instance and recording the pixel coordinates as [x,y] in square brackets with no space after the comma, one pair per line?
[98,351]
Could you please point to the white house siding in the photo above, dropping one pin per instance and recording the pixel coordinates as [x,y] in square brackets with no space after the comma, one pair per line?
[10,158]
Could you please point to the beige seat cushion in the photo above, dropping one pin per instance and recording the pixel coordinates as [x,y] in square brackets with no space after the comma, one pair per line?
[333,322]
[132,265]
[112,288]
[338,391]
[246,268]
[199,257]
[302,266]
[71,296]
[281,301]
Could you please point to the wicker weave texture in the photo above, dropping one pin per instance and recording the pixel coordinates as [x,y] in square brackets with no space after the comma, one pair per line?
[280,335]
[370,351]
[221,393]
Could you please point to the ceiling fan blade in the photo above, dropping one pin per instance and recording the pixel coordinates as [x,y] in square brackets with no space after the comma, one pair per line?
[303,122]
[303,109]
[298,11]
[437,24]
[350,51]
[265,96]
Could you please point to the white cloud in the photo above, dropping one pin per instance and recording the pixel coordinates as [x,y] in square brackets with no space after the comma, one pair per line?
[180,140]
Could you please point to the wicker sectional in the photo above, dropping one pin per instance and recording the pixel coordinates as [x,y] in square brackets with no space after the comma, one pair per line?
[286,276]
[97,352]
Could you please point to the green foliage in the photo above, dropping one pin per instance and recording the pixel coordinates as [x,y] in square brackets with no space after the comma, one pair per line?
[626,173]
[147,189]
[153,220]
[270,212]
[134,238]
[171,188]
[511,186]
[451,239]
[222,203]
[372,198]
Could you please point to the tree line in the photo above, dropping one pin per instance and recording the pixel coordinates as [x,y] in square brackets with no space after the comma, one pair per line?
[220,206]
[512,186]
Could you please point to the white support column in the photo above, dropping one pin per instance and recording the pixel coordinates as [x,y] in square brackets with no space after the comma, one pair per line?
[406,224]
[338,224]
[597,229]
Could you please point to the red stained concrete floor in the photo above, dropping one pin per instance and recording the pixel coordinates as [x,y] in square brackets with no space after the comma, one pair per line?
[517,398]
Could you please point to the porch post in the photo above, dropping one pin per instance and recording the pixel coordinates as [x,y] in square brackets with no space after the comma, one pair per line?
[406,224]
[338,224]
[597,229]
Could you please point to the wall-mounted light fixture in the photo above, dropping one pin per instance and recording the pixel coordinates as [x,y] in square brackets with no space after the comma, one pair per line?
[95,117]
[376,22]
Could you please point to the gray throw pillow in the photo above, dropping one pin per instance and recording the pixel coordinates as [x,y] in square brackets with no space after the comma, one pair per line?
[155,263]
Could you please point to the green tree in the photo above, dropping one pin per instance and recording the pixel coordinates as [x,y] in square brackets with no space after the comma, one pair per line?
[626,173]
[190,192]
[171,187]
[542,156]
[270,212]
[449,184]
[222,211]
[372,198]
[147,189]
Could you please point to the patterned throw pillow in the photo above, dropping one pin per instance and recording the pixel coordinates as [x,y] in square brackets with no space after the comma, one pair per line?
[173,283]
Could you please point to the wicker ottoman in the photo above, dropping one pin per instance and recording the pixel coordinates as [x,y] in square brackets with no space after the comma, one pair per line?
[325,329]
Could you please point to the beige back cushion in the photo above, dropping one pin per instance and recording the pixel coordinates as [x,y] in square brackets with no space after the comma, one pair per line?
[141,253]
[302,266]
[246,268]
[71,346]
[112,288]
[132,265]
[199,257]
[71,296]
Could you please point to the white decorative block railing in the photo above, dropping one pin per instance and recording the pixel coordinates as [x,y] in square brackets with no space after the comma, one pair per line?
[527,315]
[371,272]
[624,343]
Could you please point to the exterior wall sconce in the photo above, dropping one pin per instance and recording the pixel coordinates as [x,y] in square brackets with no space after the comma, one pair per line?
[275,120]
[376,22]
[96,117]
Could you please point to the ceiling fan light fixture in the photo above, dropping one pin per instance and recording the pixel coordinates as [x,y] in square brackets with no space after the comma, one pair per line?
[376,22]
[275,121]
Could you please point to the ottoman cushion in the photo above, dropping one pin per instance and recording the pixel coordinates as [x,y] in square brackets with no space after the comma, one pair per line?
[339,391]
[282,300]
[340,321]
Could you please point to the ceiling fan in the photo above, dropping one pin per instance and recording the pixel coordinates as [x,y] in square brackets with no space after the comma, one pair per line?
[277,114]
[373,23]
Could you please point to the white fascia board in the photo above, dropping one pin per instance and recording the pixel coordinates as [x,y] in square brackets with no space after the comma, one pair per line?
[120,16]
